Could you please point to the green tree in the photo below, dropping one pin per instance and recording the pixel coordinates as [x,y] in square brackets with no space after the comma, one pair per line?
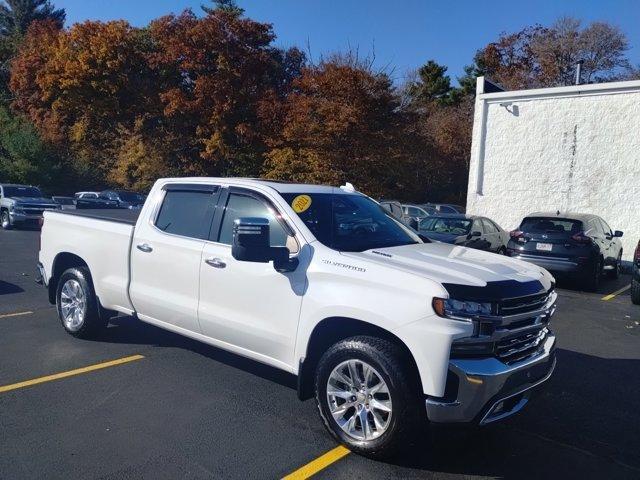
[17,15]
[228,6]
[431,85]
[24,158]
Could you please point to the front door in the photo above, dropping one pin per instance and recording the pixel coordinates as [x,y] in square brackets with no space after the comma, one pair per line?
[166,255]
[247,305]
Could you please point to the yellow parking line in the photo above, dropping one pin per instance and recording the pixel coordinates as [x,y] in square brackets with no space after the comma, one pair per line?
[617,292]
[17,314]
[70,373]
[318,464]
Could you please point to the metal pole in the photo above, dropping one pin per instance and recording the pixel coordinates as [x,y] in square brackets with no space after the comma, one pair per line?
[578,71]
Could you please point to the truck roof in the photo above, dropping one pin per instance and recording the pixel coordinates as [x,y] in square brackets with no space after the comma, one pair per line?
[278,185]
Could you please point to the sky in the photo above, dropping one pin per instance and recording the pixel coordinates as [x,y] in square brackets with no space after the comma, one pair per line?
[402,35]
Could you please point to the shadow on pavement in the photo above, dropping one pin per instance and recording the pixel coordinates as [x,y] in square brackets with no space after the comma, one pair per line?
[565,432]
[128,330]
[7,288]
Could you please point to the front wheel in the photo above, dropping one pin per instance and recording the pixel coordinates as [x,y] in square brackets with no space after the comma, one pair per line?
[367,396]
[5,219]
[77,304]
[617,268]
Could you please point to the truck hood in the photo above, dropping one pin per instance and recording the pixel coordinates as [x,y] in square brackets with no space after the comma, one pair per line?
[33,201]
[457,268]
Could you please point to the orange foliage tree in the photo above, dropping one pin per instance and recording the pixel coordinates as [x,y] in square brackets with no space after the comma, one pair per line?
[343,123]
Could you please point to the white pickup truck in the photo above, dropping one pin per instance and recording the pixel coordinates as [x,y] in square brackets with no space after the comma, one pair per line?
[385,329]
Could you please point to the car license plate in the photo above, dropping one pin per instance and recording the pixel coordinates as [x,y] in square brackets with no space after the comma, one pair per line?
[545,247]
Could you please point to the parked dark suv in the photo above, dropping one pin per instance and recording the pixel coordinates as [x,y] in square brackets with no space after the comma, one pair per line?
[580,245]
[466,230]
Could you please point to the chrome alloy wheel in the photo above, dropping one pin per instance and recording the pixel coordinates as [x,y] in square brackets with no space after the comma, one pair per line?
[5,220]
[73,305]
[359,400]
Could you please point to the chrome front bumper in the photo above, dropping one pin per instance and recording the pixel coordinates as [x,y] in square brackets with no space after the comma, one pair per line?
[490,390]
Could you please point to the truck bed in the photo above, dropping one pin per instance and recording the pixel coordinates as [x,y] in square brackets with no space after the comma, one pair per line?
[120,215]
[102,239]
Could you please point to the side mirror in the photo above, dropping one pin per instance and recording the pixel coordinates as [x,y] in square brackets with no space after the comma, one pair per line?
[251,244]
[617,233]
[474,234]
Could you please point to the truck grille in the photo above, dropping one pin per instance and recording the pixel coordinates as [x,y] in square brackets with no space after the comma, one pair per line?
[519,347]
[514,306]
[37,209]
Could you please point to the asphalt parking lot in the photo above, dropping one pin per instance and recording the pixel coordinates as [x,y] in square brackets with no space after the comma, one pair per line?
[175,408]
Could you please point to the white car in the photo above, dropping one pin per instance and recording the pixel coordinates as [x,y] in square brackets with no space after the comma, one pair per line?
[384,330]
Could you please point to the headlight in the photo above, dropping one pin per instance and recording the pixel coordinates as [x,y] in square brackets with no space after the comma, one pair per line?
[460,309]
[16,208]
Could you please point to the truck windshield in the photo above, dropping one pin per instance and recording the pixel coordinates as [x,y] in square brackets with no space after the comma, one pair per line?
[18,191]
[349,222]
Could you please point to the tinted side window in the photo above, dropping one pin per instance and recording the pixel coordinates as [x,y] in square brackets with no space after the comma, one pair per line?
[477,227]
[414,212]
[488,226]
[446,209]
[241,205]
[186,213]
[605,227]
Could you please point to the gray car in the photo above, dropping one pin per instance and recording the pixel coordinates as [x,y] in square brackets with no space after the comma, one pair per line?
[22,205]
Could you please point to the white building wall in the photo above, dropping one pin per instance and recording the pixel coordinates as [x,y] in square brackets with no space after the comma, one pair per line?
[570,149]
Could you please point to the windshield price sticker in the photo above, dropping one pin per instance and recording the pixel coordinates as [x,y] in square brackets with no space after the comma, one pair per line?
[301,203]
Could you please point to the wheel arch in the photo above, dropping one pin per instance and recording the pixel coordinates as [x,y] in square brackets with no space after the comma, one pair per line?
[332,330]
[62,262]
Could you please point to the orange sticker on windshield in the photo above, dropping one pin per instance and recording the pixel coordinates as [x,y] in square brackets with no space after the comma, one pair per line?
[301,203]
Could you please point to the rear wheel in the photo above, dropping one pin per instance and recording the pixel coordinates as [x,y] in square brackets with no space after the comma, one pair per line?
[635,291]
[592,282]
[77,304]
[5,219]
[366,395]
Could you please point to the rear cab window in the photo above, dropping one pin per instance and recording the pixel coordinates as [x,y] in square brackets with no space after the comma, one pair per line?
[187,210]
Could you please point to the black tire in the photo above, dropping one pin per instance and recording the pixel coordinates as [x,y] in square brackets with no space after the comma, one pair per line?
[592,281]
[5,220]
[502,251]
[635,291]
[617,269]
[394,366]
[92,322]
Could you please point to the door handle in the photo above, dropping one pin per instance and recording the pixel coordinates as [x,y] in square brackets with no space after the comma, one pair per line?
[215,262]
[144,247]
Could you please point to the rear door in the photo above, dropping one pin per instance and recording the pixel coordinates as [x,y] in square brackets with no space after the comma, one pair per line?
[166,254]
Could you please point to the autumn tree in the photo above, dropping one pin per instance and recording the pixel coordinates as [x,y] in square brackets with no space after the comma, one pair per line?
[15,18]
[342,124]
[545,57]
[216,73]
